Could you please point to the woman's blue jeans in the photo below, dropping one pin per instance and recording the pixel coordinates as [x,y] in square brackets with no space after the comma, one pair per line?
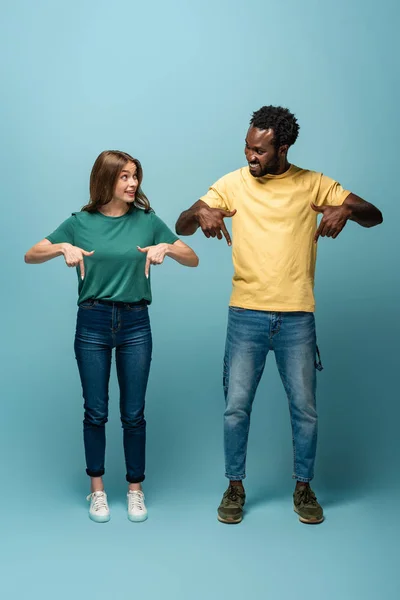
[100,328]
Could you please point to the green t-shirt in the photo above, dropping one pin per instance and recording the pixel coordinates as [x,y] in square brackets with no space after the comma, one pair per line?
[116,269]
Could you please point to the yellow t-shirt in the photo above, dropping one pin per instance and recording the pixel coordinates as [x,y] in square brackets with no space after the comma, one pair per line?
[273,249]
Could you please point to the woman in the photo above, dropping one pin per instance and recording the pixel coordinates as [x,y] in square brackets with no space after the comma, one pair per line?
[112,242]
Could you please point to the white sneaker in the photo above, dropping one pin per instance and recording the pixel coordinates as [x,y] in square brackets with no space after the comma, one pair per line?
[137,510]
[99,510]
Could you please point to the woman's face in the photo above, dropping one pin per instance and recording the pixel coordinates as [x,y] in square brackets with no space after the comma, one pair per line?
[127,184]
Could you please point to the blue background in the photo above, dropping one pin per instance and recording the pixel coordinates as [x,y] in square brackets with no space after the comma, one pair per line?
[175,84]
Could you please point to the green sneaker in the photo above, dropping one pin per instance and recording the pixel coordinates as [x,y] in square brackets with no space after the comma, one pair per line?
[231,508]
[306,505]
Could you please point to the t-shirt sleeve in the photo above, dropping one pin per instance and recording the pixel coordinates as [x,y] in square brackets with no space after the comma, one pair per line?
[330,192]
[162,233]
[64,232]
[217,196]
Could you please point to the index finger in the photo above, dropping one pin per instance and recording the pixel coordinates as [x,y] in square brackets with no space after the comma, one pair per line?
[318,232]
[82,268]
[226,234]
[147,267]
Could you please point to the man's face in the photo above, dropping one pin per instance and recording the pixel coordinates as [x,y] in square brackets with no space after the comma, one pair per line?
[262,156]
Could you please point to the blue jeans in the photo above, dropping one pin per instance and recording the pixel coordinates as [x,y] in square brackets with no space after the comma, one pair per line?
[251,335]
[100,328]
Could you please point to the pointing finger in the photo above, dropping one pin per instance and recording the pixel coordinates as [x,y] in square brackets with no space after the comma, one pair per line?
[147,267]
[226,234]
[323,229]
[318,232]
[82,268]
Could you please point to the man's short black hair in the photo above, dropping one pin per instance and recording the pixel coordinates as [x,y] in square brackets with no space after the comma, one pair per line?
[281,120]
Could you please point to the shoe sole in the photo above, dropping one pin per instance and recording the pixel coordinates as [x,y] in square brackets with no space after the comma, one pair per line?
[137,519]
[308,521]
[229,521]
[99,519]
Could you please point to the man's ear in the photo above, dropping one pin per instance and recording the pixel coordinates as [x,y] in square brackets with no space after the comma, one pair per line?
[283,150]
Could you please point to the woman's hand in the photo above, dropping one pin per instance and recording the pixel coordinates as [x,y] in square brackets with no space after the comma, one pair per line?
[178,251]
[73,256]
[45,250]
[155,255]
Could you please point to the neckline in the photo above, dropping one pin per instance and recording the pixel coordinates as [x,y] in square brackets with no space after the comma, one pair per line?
[98,212]
[265,178]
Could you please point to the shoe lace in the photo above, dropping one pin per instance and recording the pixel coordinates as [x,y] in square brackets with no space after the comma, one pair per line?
[233,493]
[99,500]
[136,500]
[307,496]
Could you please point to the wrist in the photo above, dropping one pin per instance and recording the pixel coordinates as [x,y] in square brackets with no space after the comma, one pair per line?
[168,249]
[347,211]
[63,247]
[200,211]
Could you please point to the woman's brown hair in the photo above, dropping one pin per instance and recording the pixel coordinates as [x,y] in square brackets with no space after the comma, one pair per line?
[103,178]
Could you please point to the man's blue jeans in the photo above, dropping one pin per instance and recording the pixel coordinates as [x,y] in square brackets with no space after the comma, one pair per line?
[251,335]
[100,328]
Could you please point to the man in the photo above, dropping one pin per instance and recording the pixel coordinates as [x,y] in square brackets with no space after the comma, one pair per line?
[274,206]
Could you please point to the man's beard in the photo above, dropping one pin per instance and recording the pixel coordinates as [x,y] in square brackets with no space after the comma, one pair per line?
[272,168]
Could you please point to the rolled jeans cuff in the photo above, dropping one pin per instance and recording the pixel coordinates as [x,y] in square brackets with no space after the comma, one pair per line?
[303,479]
[135,479]
[95,473]
[235,477]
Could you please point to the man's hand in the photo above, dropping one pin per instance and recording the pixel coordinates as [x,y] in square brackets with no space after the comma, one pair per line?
[211,221]
[73,257]
[155,255]
[334,218]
